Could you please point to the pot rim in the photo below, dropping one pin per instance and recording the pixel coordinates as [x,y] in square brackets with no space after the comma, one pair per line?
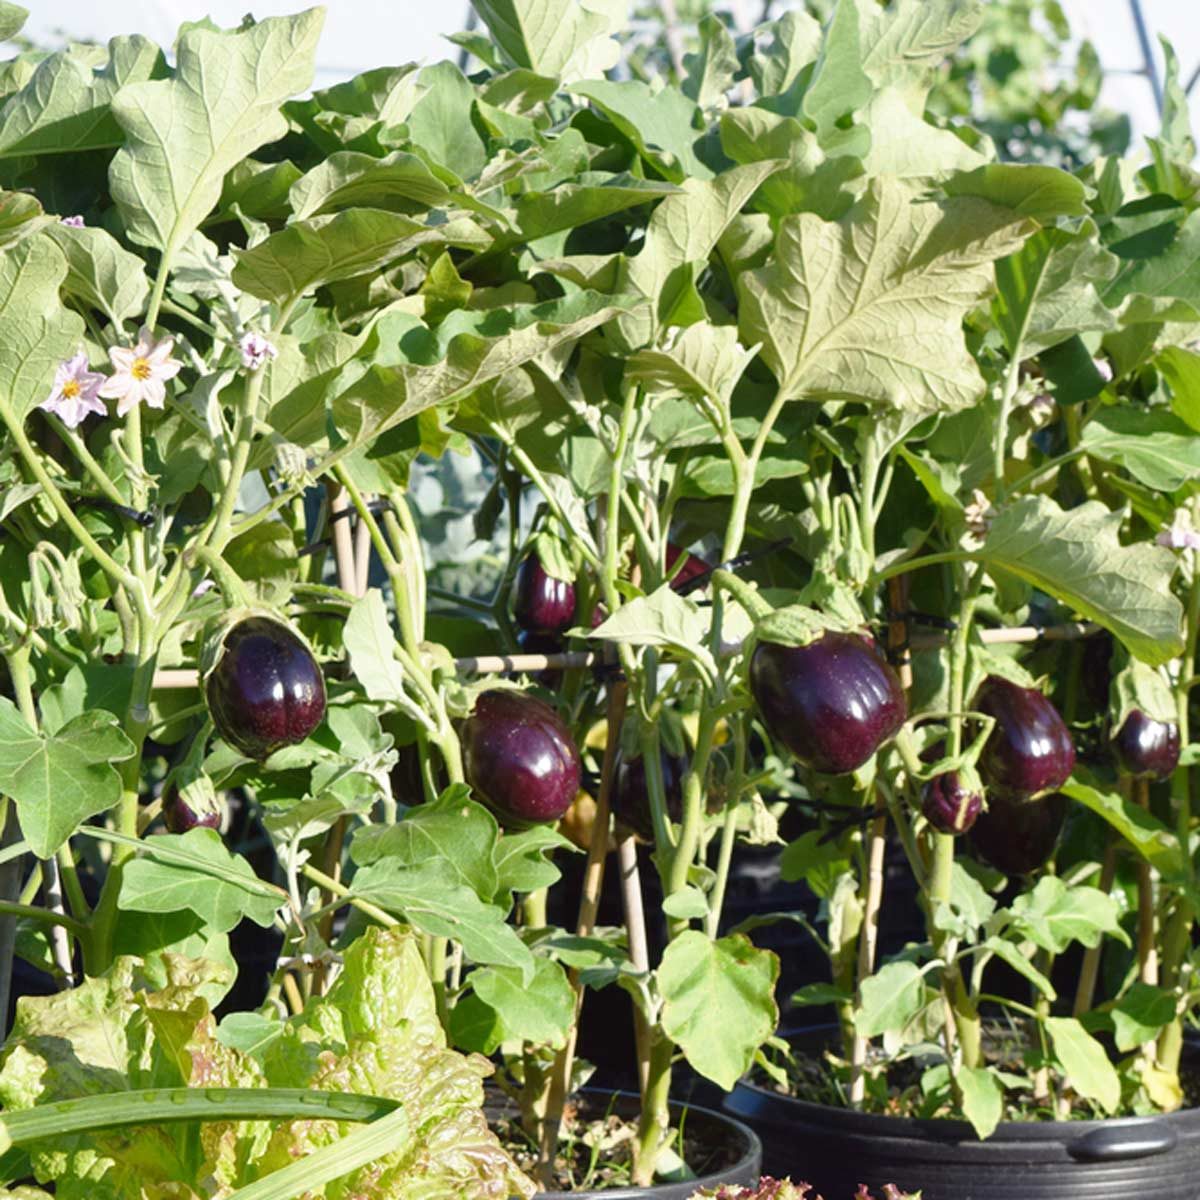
[952,1129]
[750,1158]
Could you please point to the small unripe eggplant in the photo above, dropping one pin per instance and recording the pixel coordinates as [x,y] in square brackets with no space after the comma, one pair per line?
[519,758]
[542,604]
[949,804]
[631,795]
[832,703]
[1146,748]
[1029,749]
[1016,834]
[179,816]
[265,690]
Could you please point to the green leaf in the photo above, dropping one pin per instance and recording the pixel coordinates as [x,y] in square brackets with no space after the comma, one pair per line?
[788,46]
[1054,915]
[590,197]
[523,862]
[1077,558]
[710,70]
[1020,962]
[687,904]
[661,125]
[201,876]
[664,618]
[1176,136]
[838,84]
[1153,840]
[540,1010]
[39,333]
[1181,369]
[309,254]
[101,272]
[870,308]
[982,1098]
[431,898]
[350,179]
[12,18]
[890,999]
[441,125]
[1140,1015]
[185,133]
[371,645]
[154,935]
[559,38]
[1163,287]
[905,145]
[683,230]
[718,1002]
[65,106]
[703,360]
[58,780]
[1042,193]
[1047,291]
[1154,446]
[1084,1062]
[453,828]
[905,41]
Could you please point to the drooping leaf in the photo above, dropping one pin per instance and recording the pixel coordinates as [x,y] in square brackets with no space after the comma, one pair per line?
[60,779]
[184,133]
[870,308]
[1164,287]
[1139,827]
[711,69]
[982,1098]
[718,1002]
[890,999]
[370,644]
[1077,557]
[1042,193]
[1085,1062]
[349,178]
[101,272]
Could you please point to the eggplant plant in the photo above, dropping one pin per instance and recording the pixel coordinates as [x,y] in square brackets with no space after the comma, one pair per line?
[774,368]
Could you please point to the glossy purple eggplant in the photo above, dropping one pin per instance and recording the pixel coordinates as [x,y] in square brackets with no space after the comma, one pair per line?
[530,641]
[1017,835]
[519,758]
[179,816]
[1146,748]
[1029,749]
[542,603]
[266,690]
[949,805]
[693,566]
[832,703]
[631,797]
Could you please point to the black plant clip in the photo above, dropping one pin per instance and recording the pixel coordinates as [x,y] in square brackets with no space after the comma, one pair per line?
[737,563]
[142,519]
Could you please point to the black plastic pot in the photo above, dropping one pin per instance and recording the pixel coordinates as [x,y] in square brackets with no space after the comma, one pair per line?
[835,1150]
[713,1129]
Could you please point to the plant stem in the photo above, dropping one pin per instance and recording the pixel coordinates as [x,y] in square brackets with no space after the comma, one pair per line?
[716,898]
[1147,951]
[1089,972]
[639,951]
[867,938]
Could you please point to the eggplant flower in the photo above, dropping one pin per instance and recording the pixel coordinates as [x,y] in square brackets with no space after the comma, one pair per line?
[141,372]
[76,392]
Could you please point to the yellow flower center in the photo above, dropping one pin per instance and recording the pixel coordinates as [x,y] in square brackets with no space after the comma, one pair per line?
[140,368]
[70,389]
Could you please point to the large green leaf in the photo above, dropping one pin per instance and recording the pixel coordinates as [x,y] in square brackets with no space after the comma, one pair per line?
[1156,843]
[371,646]
[1042,193]
[540,1010]
[589,197]
[903,42]
[982,1098]
[65,107]
[59,780]
[890,999]
[1047,291]
[838,84]
[1053,915]
[1154,446]
[349,178]
[718,1002]
[1181,369]
[1165,286]
[431,897]
[563,39]
[1077,557]
[12,18]
[39,333]
[183,134]
[308,254]
[453,828]
[870,308]
[195,871]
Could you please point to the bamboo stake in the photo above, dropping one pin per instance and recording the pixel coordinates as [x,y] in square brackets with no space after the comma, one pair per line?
[496,664]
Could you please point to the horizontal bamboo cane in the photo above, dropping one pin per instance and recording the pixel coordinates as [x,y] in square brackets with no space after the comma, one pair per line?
[495,664]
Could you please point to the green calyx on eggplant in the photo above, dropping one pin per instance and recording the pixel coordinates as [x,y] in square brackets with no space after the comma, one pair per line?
[263,686]
[1029,750]
[951,802]
[519,758]
[832,702]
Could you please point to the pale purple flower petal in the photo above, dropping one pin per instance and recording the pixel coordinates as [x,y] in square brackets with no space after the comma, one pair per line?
[75,393]
[1179,538]
[141,372]
[75,222]
[256,350]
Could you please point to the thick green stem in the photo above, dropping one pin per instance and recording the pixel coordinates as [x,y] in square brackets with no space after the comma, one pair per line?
[655,1120]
